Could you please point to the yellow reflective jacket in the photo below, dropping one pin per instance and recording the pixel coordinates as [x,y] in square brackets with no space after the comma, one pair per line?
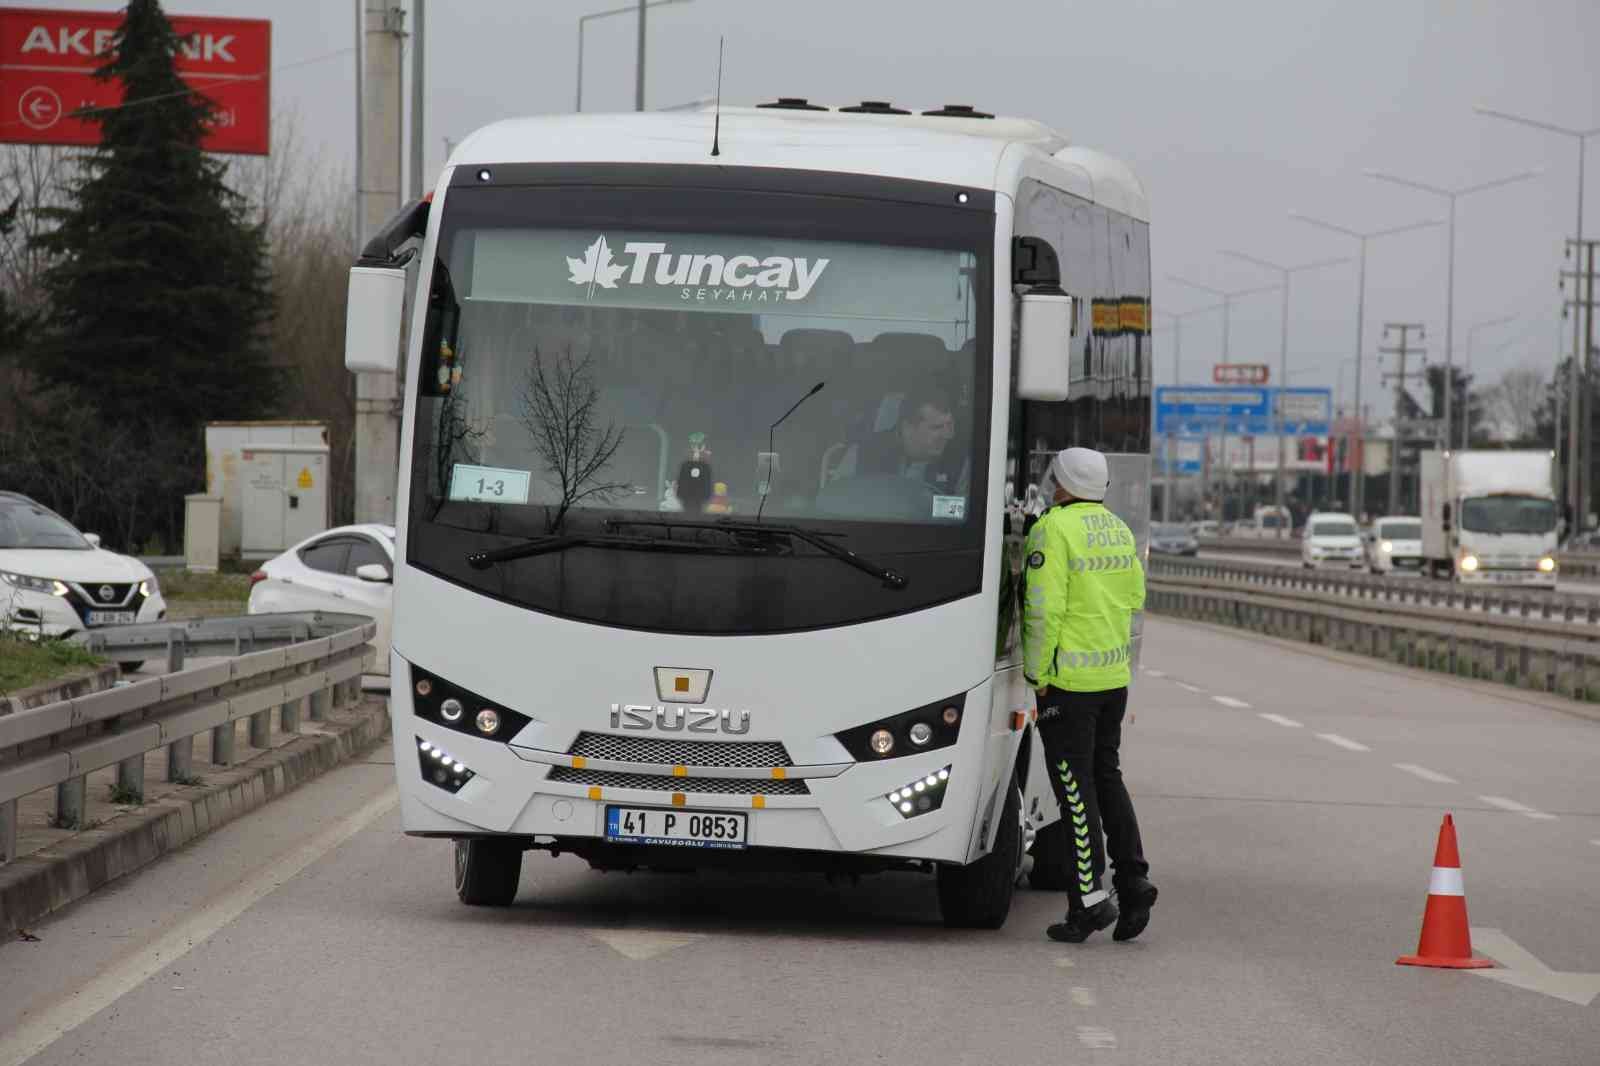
[1084,583]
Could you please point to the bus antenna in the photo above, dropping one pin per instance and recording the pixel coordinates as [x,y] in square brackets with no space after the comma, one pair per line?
[716,127]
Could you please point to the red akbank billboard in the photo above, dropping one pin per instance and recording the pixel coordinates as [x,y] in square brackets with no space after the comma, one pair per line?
[47,59]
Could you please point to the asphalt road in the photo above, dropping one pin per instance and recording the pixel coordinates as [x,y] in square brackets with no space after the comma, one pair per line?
[1292,852]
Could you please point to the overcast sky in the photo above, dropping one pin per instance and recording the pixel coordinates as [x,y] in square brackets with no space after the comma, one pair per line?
[1232,111]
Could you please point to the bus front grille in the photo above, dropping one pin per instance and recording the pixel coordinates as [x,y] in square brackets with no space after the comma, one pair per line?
[762,786]
[671,751]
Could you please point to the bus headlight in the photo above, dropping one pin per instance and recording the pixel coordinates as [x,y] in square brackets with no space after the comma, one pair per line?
[1547,565]
[1469,563]
[446,705]
[926,728]
[1388,545]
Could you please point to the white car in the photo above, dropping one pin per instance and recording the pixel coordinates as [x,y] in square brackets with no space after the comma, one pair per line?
[349,569]
[1331,539]
[1396,545]
[55,581]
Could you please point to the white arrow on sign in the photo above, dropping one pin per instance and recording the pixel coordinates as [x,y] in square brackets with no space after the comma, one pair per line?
[1523,970]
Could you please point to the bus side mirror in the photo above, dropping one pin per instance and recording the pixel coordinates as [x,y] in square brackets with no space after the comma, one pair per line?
[373,319]
[1047,319]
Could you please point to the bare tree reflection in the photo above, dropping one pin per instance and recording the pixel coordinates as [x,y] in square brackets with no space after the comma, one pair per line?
[559,410]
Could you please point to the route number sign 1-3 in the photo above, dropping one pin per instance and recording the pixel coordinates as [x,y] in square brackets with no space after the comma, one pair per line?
[488,484]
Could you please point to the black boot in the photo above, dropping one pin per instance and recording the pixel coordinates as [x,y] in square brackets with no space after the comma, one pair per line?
[1080,923]
[1136,898]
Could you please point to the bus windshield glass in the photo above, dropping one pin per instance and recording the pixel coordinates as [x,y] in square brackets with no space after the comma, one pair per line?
[1508,514]
[590,379]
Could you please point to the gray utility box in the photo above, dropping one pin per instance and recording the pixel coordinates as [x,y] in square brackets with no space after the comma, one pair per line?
[284,489]
[225,446]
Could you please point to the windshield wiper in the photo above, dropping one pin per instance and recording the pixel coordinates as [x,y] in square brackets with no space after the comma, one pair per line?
[560,542]
[749,535]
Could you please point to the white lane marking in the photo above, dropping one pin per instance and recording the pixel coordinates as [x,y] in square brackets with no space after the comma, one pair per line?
[1153,672]
[1344,742]
[1426,774]
[1188,687]
[121,977]
[1082,997]
[1596,843]
[1518,808]
[1278,719]
[1093,1036]
[1521,969]
[640,944]
[1066,962]
[1229,701]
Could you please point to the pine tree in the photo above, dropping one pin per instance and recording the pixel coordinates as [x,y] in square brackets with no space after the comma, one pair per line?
[160,299]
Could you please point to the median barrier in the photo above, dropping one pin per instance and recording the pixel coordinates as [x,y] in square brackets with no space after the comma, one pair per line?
[273,670]
[1539,641]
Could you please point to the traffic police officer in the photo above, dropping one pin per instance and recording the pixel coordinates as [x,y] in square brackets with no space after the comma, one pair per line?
[1084,582]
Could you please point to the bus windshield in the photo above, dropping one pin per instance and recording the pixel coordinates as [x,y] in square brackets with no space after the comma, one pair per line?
[1508,514]
[581,377]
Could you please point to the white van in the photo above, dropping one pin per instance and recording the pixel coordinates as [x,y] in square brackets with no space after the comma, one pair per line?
[1396,545]
[1331,539]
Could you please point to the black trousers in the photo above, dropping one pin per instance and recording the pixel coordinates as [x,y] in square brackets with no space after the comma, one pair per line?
[1082,735]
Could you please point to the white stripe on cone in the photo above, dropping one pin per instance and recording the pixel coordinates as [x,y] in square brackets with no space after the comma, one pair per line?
[1446,881]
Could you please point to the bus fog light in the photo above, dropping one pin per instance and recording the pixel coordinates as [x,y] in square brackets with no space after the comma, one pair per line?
[951,715]
[488,722]
[922,795]
[921,733]
[424,688]
[1469,563]
[882,742]
[441,769]
[1547,565]
[451,710]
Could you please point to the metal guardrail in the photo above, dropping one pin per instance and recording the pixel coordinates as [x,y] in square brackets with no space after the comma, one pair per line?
[1490,599]
[275,663]
[1548,652]
[1572,564]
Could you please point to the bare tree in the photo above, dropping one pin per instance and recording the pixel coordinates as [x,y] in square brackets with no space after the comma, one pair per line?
[1517,401]
[559,410]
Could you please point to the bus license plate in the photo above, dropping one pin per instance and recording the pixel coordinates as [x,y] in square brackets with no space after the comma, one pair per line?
[675,827]
[111,618]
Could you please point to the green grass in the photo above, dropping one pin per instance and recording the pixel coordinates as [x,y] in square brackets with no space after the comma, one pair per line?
[212,588]
[26,662]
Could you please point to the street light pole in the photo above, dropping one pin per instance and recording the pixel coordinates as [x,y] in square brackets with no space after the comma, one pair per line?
[1358,489]
[1285,273]
[631,9]
[1177,318]
[1472,331]
[1580,357]
[1450,275]
[1228,296]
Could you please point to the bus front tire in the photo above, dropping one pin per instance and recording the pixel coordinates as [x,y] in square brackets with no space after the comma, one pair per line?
[978,895]
[487,872]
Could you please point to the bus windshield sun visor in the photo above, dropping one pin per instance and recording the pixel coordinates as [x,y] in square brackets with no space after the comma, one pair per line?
[740,539]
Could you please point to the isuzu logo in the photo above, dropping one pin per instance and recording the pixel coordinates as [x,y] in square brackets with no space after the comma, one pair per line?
[679,719]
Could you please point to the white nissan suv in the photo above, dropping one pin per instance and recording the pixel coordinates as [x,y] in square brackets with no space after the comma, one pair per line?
[55,581]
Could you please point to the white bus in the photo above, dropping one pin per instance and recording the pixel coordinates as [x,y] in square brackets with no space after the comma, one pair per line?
[714,432]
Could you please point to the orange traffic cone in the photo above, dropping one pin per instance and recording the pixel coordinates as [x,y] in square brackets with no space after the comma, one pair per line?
[1446,941]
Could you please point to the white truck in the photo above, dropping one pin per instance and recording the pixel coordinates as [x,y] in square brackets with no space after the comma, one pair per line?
[1490,516]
